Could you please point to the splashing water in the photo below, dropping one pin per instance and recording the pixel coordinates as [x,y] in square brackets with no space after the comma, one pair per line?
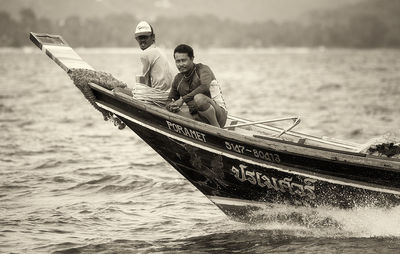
[71,183]
[331,222]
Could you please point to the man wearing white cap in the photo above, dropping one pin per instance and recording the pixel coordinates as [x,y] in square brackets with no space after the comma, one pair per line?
[157,71]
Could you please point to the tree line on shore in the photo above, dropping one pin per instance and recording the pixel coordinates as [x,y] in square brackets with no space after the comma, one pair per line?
[362,29]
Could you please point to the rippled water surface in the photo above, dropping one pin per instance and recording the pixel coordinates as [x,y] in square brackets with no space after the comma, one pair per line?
[72,183]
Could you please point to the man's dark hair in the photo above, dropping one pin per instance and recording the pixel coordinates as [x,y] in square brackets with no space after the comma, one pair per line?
[183,48]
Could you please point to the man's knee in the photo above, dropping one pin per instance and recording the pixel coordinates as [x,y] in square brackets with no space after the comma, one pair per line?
[201,101]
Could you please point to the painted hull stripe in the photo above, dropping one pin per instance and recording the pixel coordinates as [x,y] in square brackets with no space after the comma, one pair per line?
[215,151]
[236,202]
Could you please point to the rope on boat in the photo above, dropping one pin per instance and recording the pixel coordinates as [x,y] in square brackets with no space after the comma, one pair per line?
[82,78]
[146,94]
[150,95]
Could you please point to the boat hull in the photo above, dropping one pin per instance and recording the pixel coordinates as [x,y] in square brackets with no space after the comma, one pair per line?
[243,173]
[239,184]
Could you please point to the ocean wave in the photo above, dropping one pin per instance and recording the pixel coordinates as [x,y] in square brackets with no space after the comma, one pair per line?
[8,120]
[6,109]
[62,179]
[43,164]
[126,188]
[104,179]
[145,164]
[113,246]
[177,186]
[8,187]
[329,87]
[377,110]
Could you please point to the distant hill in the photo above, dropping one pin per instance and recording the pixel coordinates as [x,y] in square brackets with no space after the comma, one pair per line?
[236,10]
[386,10]
[371,23]
[105,23]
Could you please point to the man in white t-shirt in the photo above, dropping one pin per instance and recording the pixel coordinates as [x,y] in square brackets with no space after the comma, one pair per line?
[157,71]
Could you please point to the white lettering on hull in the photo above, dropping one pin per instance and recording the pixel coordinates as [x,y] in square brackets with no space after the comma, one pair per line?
[305,189]
[186,131]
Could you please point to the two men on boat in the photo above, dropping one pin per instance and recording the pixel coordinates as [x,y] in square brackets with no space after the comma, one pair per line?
[195,84]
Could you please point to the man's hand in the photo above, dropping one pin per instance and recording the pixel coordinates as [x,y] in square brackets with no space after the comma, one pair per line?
[179,102]
[174,106]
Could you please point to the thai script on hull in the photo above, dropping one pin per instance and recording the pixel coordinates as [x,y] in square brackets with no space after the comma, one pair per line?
[282,185]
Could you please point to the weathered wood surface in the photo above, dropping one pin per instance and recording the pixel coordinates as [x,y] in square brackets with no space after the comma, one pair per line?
[59,51]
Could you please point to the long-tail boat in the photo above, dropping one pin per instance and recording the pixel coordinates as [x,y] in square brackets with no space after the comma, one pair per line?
[247,165]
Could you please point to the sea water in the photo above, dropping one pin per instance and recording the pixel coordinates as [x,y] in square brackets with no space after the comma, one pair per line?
[73,183]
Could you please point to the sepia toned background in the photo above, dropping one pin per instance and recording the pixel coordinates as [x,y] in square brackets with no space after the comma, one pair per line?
[72,183]
[224,23]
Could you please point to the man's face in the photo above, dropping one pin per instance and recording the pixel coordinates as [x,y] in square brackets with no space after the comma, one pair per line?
[183,62]
[145,41]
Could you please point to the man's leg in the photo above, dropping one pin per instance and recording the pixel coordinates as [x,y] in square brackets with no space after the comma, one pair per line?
[208,109]
[222,114]
[184,111]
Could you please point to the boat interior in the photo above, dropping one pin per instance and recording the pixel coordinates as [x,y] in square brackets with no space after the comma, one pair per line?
[282,129]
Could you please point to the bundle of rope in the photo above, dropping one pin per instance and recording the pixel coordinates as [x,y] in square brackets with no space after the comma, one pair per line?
[150,95]
[82,78]
[142,92]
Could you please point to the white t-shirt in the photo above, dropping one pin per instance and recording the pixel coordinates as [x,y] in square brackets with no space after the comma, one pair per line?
[156,68]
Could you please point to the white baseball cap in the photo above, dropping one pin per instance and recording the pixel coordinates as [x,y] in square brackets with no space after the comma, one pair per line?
[143,28]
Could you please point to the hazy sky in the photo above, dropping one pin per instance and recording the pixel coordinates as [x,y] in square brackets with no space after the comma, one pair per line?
[240,10]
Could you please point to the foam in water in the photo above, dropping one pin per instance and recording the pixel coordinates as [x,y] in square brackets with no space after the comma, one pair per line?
[370,222]
[331,222]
